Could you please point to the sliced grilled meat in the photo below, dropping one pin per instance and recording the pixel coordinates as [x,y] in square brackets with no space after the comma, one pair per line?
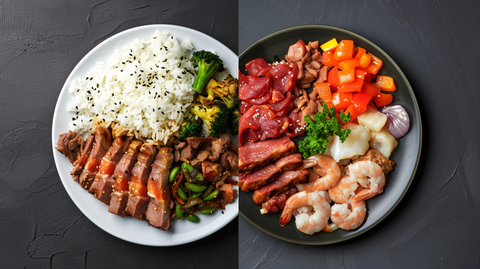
[71,145]
[281,183]
[253,155]
[78,166]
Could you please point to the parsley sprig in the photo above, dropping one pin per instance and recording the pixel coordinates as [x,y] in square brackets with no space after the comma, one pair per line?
[324,124]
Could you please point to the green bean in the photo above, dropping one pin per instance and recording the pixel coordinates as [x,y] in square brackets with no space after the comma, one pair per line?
[212,195]
[178,211]
[187,166]
[173,174]
[182,194]
[192,218]
[208,205]
[194,187]
[208,211]
[199,177]
[197,194]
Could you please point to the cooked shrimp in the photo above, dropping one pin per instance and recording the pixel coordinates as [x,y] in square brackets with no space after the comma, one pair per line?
[347,219]
[344,191]
[311,211]
[324,166]
[370,175]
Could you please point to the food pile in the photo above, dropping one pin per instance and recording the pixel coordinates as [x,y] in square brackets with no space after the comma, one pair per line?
[327,98]
[158,121]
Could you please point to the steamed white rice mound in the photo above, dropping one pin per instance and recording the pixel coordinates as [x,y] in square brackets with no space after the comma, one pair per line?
[145,86]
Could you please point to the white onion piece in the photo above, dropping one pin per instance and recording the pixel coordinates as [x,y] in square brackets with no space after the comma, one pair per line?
[398,122]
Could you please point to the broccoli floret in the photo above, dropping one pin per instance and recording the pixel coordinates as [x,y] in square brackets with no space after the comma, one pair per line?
[215,117]
[208,63]
[225,90]
[233,122]
[192,128]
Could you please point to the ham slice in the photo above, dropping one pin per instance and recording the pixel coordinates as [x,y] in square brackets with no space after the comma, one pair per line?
[253,155]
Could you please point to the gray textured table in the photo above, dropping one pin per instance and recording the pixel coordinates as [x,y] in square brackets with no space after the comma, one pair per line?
[437,223]
[40,44]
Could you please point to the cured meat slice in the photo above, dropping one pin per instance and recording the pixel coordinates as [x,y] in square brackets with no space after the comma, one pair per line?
[296,52]
[281,183]
[276,203]
[260,123]
[103,140]
[256,90]
[289,162]
[102,186]
[122,175]
[253,155]
[158,210]
[258,67]
[138,199]
[283,107]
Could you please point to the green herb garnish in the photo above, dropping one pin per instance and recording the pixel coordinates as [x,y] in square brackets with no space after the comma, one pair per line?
[324,124]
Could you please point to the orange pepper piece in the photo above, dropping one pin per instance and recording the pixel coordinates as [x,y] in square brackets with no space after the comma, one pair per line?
[382,99]
[333,79]
[375,64]
[348,64]
[346,76]
[344,50]
[352,111]
[324,91]
[386,83]
[328,59]
[364,60]
[354,86]
[360,73]
[360,53]
[341,100]
[370,89]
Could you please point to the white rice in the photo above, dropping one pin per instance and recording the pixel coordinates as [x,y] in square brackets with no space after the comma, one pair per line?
[145,86]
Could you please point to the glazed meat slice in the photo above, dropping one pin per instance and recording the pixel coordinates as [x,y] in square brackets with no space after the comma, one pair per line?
[219,146]
[70,144]
[78,166]
[253,155]
[377,157]
[103,140]
[289,162]
[254,179]
[195,142]
[158,211]
[102,186]
[211,171]
[276,203]
[138,198]
[281,183]
[121,175]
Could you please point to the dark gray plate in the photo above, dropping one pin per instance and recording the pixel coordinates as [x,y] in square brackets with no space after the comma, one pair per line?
[407,154]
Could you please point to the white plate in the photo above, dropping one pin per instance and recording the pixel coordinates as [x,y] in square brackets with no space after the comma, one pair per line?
[130,229]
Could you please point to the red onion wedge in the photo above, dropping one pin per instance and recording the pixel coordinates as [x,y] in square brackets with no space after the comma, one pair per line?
[398,122]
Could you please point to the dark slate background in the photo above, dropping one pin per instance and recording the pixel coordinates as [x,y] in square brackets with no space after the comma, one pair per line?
[40,44]
[436,44]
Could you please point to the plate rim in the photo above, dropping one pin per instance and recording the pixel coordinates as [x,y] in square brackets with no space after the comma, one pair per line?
[64,90]
[417,114]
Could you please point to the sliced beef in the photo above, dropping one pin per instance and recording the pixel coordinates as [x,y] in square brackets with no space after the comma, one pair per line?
[376,157]
[138,198]
[102,186]
[187,153]
[103,140]
[281,183]
[78,166]
[229,160]
[195,142]
[253,155]
[201,156]
[70,144]
[158,210]
[254,179]
[122,175]
[289,162]
[296,52]
[219,146]
[211,170]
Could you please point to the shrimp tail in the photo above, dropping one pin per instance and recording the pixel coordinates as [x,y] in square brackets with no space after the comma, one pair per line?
[363,195]
[286,216]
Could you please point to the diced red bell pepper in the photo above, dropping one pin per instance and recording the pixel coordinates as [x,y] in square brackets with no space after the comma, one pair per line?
[333,80]
[324,91]
[370,89]
[361,100]
[328,59]
[344,50]
[352,111]
[382,99]
[341,100]
[386,83]
[348,64]
[346,76]
[375,64]
[354,86]
[360,73]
